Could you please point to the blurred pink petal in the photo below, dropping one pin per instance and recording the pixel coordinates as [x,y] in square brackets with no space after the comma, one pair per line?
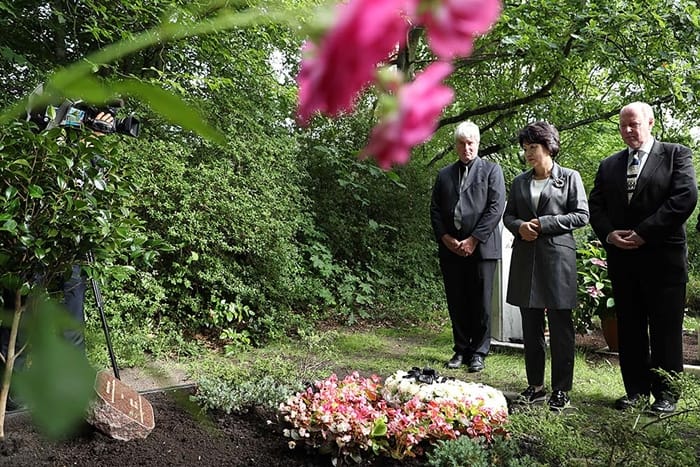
[420,105]
[451,25]
[335,71]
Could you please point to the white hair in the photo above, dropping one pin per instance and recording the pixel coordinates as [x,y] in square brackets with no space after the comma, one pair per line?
[467,129]
[645,109]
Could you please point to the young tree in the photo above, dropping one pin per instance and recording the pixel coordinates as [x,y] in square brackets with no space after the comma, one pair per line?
[59,200]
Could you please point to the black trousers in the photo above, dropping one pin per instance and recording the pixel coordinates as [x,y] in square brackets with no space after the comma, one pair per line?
[74,301]
[468,287]
[562,342]
[650,331]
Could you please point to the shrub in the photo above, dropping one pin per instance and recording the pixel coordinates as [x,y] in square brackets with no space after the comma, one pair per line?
[474,452]
[693,294]
[459,452]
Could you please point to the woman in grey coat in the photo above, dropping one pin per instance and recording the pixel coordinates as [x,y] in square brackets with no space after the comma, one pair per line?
[545,205]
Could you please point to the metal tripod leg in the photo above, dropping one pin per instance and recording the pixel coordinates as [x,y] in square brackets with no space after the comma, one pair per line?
[105,326]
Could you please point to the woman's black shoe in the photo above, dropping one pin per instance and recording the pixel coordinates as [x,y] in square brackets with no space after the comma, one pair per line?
[455,362]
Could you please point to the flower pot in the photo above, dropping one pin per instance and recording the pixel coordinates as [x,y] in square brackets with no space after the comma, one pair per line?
[609,327]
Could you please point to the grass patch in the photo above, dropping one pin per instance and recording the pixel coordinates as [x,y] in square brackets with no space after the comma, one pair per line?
[591,433]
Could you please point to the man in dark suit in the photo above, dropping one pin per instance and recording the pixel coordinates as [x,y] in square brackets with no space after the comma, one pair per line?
[466,206]
[639,203]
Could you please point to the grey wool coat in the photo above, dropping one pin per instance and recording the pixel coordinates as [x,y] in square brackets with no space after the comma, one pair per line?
[543,271]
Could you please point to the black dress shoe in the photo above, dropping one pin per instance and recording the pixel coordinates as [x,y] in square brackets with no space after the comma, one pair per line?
[476,363]
[663,406]
[559,400]
[531,395]
[455,362]
[628,402]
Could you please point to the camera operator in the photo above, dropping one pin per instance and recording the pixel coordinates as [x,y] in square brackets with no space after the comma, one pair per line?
[75,286]
[73,289]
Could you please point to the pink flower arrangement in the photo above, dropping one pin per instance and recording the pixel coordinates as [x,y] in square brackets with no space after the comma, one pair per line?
[595,294]
[357,416]
[346,59]
[346,418]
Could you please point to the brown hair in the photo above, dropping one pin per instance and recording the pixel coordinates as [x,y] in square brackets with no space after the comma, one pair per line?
[541,133]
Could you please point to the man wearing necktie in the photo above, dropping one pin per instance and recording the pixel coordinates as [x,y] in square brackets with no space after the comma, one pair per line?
[640,201]
[466,206]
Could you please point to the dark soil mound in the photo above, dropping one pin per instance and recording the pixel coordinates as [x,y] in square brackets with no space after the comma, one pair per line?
[181,437]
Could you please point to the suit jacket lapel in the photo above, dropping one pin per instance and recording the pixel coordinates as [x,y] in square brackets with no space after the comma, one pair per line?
[546,194]
[654,159]
[525,194]
[454,176]
[473,170]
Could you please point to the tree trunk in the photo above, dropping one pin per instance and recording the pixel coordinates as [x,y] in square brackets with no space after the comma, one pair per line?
[10,361]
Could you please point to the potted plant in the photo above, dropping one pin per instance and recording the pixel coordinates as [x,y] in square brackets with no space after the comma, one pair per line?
[595,296]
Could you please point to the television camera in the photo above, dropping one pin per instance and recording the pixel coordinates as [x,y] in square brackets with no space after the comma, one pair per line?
[80,114]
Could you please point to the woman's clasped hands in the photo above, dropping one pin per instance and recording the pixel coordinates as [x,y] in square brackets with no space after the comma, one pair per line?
[530,230]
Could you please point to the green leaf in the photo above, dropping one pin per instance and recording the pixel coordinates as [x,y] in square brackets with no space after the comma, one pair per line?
[10,192]
[171,107]
[10,226]
[379,429]
[99,183]
[58,385]
[35,191]
[23,162]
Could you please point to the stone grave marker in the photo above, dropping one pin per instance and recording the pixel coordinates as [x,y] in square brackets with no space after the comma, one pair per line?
[119,411]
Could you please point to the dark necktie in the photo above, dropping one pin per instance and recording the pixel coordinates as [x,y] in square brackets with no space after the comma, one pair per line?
[632,174]
[464,170]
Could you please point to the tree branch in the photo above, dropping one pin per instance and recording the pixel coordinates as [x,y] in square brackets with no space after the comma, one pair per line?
[542,92]
[494,148]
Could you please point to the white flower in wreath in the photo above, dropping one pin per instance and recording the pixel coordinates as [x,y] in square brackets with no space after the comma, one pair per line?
[400,389]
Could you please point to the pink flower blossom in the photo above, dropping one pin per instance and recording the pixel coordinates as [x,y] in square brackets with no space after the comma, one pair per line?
[451,25]
[599,262]
[594,292]
[346,417]
[345,61]
[420,103]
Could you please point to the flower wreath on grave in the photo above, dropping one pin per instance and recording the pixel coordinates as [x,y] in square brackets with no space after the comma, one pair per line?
[357,416]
